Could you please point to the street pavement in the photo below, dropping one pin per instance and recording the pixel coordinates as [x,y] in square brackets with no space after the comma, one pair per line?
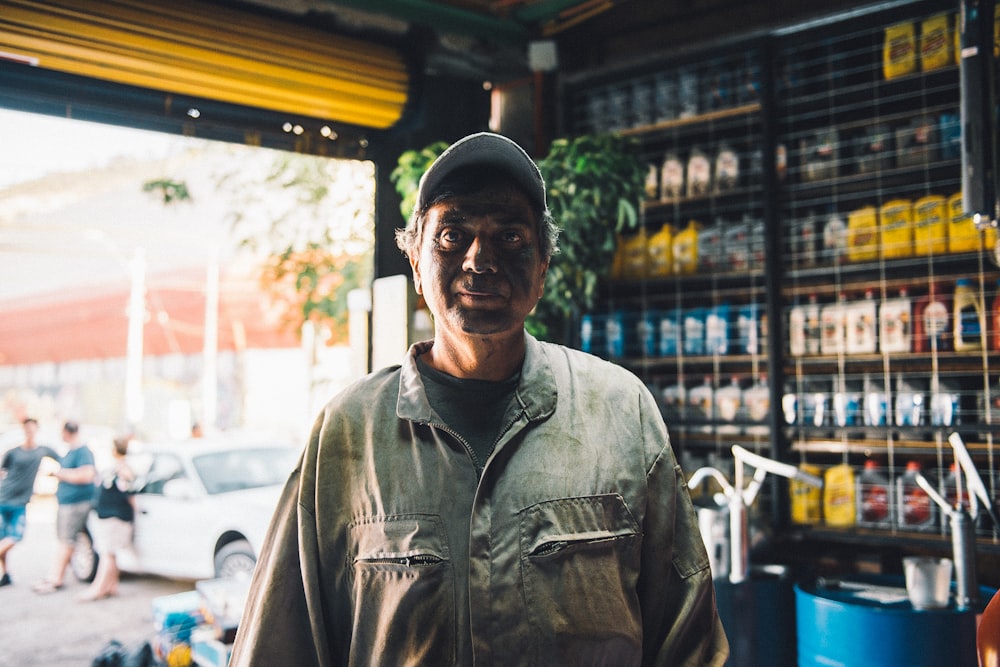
[56,630]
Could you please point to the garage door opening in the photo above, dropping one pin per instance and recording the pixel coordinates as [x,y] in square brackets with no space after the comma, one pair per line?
[227,266]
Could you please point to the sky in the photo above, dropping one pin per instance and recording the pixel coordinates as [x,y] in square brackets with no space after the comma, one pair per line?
[35,145]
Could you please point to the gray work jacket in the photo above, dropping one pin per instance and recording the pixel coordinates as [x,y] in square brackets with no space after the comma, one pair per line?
[576,545]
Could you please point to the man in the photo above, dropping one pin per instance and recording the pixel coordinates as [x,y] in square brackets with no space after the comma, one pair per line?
[18,469]
[495,500]
[74,495]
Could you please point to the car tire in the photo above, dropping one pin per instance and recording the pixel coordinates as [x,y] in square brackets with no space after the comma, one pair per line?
[235,559]
[83,562]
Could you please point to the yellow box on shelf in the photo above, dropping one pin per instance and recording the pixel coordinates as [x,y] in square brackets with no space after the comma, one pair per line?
[930,225]
[963,236]
[896,228]
[899,50]
[862,234]
[935,42]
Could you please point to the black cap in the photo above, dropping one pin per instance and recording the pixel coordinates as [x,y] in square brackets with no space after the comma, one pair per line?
[484,149]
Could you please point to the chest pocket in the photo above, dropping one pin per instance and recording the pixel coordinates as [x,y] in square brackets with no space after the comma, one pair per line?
[403,590]
[580,565]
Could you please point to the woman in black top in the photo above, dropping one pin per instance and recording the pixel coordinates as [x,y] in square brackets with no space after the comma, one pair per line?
[116,515]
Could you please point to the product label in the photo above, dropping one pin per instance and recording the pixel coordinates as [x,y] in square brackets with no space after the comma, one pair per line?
[669,336]
[935,319]
[916,506]
[935,45]
[860,328]
[797,331]
[874,503]
[699,175]
[727,170]
[899,50]
[832,325]
[671,178]
[894,321]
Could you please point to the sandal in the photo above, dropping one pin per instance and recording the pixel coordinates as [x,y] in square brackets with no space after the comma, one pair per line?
[46,587]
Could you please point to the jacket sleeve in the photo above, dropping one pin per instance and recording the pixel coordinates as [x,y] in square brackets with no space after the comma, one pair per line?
[681,625]
[283,617]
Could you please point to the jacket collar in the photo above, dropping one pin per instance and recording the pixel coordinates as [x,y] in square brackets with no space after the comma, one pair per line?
[536,390]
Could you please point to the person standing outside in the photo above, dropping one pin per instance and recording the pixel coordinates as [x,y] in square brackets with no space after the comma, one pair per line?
[115,520]
[18,469]
[74,495]
[494,500]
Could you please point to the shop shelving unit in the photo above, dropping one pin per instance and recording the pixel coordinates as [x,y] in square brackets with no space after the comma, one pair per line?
[822,127]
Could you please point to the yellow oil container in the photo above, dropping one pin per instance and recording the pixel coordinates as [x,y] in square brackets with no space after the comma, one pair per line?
[930,225]
[686,249]
[962,233]
[896,228]
[634,267]
[862,234]
[935,42]
[899,50]
[806,499]
[838,496]
[660,253]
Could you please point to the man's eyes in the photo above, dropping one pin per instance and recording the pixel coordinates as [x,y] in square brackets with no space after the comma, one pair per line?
[452,236]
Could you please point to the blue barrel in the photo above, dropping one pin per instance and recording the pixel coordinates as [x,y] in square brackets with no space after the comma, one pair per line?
[759,618]
[844,626]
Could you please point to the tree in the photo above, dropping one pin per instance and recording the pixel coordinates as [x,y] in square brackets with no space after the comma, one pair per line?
[312,220]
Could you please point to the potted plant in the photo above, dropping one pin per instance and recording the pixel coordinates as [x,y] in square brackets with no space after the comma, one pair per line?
[595,184]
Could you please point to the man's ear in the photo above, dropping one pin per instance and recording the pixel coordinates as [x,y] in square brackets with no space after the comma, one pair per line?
[545,272]
[415,269]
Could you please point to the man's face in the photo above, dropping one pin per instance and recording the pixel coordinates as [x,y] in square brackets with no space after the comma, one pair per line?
[479,267]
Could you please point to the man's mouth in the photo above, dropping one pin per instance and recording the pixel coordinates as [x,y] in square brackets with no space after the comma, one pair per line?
[479,290]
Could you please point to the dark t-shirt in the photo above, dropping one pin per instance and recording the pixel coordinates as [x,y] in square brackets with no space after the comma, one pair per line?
[68,493]
[472,408]
[112,502]
[21,467]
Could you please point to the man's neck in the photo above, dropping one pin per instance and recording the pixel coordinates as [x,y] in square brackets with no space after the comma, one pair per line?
[493,357]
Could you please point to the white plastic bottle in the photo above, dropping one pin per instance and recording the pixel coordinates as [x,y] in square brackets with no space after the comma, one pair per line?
[729,406]
[701,404]
[860,328]
[797,330]
[832,317]
[814,326]
[895,319]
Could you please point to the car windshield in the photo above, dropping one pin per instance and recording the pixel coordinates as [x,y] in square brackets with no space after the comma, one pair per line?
[239,469]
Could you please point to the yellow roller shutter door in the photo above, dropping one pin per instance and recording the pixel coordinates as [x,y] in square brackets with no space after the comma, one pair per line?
[206,51]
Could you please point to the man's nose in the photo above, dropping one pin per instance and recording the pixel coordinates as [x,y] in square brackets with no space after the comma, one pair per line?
[481,256]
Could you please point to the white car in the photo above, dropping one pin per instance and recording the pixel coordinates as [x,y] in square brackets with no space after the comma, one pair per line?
[201,510]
